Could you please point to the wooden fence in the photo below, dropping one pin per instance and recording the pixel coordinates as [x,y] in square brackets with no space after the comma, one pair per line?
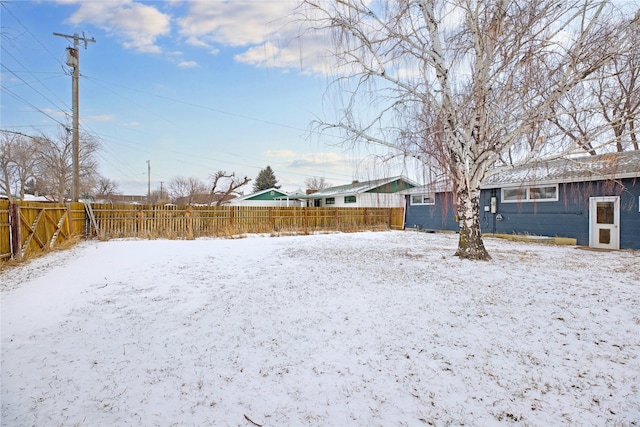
[198,221]
[5,231]
[29,227]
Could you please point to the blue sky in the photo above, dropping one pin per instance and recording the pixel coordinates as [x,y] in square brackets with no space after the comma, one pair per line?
[192,86]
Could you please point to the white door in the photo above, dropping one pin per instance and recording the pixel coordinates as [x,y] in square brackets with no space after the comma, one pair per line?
[604,222]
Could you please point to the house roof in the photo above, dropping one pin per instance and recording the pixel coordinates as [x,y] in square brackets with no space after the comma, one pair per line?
[586,168]
[442,184]
[263,195]
[357,187]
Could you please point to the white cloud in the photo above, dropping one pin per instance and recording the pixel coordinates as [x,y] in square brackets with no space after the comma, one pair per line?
[269,30]
[101,118]
[55,113]
[325,160]
[187,64]
[138,25]
[233,23]
[280,153]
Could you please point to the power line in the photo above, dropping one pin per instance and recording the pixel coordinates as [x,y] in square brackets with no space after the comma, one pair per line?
[36,79]
[29,85]
[12,93]
[57,59]
[217,110]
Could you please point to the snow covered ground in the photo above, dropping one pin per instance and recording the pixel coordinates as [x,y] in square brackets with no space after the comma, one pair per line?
[375,328]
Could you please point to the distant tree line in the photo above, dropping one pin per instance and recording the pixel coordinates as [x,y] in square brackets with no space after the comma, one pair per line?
[42,165]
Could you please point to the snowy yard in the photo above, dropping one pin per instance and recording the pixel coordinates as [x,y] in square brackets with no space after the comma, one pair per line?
[385,328]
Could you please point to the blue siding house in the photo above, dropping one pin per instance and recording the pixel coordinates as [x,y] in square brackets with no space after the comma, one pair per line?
[593,199]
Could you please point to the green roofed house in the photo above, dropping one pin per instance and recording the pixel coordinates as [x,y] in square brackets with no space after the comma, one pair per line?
[378,193]
[269,197]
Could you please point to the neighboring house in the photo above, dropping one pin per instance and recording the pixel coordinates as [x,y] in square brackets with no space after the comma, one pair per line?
[594,199]
[377,193]
[269,197]
[121,199]
[29,198]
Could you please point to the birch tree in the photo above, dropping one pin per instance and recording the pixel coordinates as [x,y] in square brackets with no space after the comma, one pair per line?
[460,83]
[618,96]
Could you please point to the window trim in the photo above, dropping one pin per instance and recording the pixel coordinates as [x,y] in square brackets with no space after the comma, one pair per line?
[431,199]
[527,194]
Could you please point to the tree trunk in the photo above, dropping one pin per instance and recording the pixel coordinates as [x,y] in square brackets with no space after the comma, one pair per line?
[470,244]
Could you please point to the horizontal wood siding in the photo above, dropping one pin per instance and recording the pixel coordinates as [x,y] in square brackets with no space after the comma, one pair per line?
[569,216]
[440,216]
[630,215]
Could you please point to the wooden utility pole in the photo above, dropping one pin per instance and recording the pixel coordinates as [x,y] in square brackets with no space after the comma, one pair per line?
[149,182]
[73,60]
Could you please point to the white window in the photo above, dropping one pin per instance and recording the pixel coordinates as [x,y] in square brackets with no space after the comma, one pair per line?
[542,193]
[423,199]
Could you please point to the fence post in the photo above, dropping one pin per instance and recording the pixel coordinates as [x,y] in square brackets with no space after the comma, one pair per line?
[232,216]
[272,222]
[139,220]
[188,221]
[16,231]
[68,221]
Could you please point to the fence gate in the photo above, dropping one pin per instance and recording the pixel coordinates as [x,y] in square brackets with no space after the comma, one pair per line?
[34,227]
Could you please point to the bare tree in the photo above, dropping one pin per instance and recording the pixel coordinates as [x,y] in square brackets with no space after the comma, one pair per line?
[224,184]
[105,187]
[159,196]
[618,95]
[186,190]
[7,175]
[55,169]
[316,183]
[461,81]
[18,162]
[26,161]
[576,119]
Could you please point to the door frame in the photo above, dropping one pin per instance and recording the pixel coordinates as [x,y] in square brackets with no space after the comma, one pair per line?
[594,227]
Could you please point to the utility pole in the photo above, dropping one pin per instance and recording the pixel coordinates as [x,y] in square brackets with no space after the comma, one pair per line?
[161,182]
[73,60]
[149,181]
